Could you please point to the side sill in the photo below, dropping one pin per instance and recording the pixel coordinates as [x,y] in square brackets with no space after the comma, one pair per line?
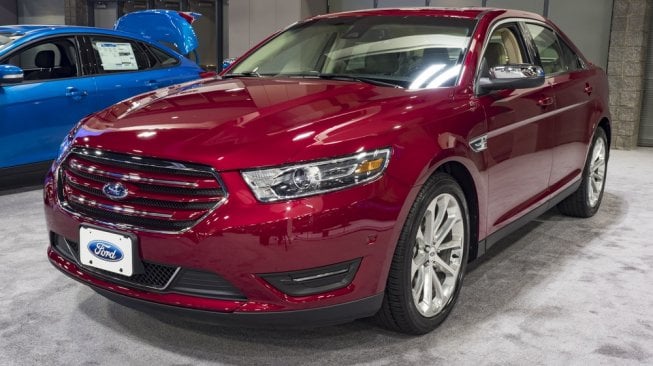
[485,244]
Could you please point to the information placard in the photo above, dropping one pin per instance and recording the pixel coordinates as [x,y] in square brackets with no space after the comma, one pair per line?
[116,56]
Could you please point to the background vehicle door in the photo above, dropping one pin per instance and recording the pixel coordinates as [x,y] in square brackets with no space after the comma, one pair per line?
[519,134]
[37,113]
[571,83]
[125,67]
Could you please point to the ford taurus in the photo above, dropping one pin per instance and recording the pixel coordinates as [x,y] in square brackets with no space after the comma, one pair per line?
[349,166]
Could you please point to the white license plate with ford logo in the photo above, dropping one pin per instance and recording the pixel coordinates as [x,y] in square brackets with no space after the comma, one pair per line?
[108,251]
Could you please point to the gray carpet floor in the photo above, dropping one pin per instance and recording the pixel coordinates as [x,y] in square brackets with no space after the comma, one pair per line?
[558,291]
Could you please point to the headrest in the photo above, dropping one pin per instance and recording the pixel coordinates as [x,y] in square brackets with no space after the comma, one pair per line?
[384,64]
[496,54]
[44,59]
[435,56]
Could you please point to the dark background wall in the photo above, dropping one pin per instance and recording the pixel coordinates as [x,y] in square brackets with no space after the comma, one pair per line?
[8,12]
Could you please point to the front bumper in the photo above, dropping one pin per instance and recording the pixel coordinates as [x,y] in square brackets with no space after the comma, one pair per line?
[218,311]
[243,241]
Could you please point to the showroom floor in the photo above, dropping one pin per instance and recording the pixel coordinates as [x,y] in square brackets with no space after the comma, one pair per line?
[559,291]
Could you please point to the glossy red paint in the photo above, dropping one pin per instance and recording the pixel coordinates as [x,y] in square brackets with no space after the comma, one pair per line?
[533,152]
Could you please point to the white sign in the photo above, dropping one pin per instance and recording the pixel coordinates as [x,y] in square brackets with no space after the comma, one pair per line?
[116,56]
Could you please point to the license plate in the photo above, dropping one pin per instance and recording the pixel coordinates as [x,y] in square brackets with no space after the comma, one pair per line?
[107,251]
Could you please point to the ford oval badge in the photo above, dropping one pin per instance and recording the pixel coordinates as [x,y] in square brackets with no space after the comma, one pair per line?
[115,191]
[105,250]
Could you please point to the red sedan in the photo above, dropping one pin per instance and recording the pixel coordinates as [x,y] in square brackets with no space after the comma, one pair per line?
[348,166]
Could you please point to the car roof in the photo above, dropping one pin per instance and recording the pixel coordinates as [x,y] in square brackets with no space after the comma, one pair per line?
[32,32]
[41,29]
[463,12]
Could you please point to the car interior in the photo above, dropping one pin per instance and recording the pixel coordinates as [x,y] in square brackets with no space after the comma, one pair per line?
[502,49]
[51,60]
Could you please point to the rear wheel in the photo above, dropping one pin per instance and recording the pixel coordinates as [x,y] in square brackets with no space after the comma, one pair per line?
[430,259]
[586,200]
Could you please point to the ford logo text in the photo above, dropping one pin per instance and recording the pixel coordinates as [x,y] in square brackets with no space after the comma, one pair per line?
[115,191]
[105,250]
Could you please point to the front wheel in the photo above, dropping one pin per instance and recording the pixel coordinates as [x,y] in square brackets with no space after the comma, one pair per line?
[586,200]
[429,261]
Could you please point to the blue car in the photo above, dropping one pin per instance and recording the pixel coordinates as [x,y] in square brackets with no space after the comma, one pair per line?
[53,76]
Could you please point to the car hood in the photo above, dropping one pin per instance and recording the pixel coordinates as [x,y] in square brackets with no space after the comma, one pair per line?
[251,122]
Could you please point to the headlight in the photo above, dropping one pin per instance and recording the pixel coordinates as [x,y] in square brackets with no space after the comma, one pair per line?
[288,182]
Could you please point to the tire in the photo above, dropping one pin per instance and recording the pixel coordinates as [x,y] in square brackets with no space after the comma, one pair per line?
[585,201]
[445,261]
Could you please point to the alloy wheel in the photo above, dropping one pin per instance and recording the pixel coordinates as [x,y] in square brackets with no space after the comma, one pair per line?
[437,255]
[596,174]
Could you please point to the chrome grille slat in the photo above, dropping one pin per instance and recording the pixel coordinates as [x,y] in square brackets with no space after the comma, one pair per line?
[170,201]
[77,166]
[151,202]
[145,164]
[153,188]
[119,209]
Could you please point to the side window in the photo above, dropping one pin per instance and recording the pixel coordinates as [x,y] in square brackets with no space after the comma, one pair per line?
[504,47]
[164,59]
[548,49]
[119,55]
[571,60]
[53,59]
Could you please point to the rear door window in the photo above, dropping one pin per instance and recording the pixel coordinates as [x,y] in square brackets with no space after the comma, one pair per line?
[548,49]
[571,60]
[114,55]
[162,57]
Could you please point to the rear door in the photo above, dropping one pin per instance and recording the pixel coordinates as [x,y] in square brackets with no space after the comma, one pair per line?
[36,114]
[572,85]
[519,137]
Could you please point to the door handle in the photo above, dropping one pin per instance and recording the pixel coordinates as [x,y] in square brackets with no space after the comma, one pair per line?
[545,101]
[75,93]
[588,89]
[152,84]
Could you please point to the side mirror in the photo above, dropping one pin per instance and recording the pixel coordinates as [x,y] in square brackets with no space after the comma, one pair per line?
[522,76]
[10,74]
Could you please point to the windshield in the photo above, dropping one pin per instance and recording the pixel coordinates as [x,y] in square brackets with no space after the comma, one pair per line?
[412,51]
[7,38]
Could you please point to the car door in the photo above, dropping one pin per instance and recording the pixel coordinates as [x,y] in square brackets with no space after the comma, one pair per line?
[520,126]
[571,84]
[125,67]
[37,113]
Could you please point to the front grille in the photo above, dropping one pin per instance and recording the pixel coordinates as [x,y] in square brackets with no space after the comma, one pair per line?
[162,195]
[154,276]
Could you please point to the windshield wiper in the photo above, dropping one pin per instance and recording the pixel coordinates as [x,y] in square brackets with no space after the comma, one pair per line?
[363,79]
[246,74]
